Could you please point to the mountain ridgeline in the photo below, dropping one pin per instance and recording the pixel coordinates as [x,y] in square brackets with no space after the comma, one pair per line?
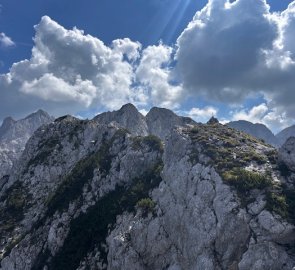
[127,191]
[14,136]
[262,132]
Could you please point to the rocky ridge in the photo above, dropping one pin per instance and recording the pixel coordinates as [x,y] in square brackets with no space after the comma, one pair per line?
[14,136]
[93,194]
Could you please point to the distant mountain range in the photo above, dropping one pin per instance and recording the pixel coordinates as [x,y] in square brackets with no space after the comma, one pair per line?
[14,135]
[262,132]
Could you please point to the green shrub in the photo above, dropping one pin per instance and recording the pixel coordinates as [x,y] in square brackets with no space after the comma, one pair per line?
[194,130]
[282,202]
[151,141]
[147,205]
[277,203]
[154,143]
[71,186]
[244,180]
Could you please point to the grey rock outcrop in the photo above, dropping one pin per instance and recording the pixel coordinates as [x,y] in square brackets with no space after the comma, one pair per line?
[199,224]
[158,121]
[14,136]
[259,131]
[91,195]
[286,133]
[161,121]
[287,153]
[127,117]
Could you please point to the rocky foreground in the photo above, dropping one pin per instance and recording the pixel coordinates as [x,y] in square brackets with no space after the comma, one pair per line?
[124,191]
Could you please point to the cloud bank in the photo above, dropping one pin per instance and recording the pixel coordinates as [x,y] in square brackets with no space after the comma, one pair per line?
[230,51]
[71,71]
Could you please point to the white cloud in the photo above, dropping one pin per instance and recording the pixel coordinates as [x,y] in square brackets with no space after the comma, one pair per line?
[129,48]
[275,119]
[253,115]
[232,50]
[154,74]
[70,71]
[5,41]
[202,115]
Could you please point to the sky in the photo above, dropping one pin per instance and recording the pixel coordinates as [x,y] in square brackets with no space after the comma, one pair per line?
[231,59]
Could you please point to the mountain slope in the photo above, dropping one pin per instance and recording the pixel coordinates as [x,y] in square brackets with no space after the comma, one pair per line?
[259,131]
[285,134]
[14,135]
[87,195]
[127,117]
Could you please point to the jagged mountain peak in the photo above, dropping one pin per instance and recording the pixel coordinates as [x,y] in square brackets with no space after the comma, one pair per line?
[126,117]
[38,113]
[129,108]
[66,118]
[163,112]
[14,135]
[8,120]
[7,123]
[161,121]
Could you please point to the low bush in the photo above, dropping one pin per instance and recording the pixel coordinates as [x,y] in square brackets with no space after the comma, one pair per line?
[147,205]
[244,180]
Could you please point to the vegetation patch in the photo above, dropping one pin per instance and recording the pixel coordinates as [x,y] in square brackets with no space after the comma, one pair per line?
[282,202]
[71,187]
[90,230]
[147,205]
[16,201]
[244,181]
[151,141]
[45,150]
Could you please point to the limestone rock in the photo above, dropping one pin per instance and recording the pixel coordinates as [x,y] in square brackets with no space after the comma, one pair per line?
[161,121]
[14,136]
[127,117]
[89,194]
[287,153]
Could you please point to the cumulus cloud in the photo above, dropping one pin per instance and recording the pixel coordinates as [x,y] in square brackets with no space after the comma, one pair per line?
[71,71]
[229,51]
[275,118]
[154,74]
[232,50]
[5,41]
[202,115]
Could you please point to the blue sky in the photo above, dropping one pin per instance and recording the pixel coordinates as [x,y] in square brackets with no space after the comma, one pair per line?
[198,88]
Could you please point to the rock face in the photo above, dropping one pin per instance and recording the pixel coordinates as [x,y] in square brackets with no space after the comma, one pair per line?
[287,153]
[127,117]
[161,121]
[259,131]
[158,121]
[285,134]
[87,195]
[14,135]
